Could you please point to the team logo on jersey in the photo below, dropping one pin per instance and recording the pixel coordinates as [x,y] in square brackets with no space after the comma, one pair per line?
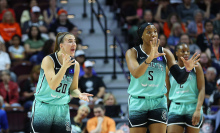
[164,115]
[71,70]
[160,58]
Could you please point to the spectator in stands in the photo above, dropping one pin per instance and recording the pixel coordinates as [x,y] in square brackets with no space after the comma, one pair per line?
[26,16]
[4,8]
[34,21]
[163,10]
[2,46]
[163,41]
[209,7]
[8,27]
[35,42]
[133,13]
[62,24]
[184,38]
[76,122]
[9,89]
[175,34]
[90,83]
[147,18]
[100,123]
[75,32]
[5,61]
[30,87]
[210,81]
[196,27]
[172,18]
[204,39]
[206,62]
[216,23]
[185,10]
[46,50]
[50,14]
[80,57]
[214,98]
[214,49]
[109,99]
[16,50]
[3,118]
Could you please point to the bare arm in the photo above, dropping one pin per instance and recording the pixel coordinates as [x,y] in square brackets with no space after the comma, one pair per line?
[99,126]
[200,86]
[170,58]
[208,6]
[158,14]
[46,18]
[167,85]
[74,86]
[48,67]
[30,50]
[101,92]
[201,96]
[129,18]
[28,94]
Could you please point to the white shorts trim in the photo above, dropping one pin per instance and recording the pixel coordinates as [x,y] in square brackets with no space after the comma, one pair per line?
[158,121]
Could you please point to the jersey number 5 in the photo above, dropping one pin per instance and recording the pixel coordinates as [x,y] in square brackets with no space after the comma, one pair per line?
[150,74]
[61,88]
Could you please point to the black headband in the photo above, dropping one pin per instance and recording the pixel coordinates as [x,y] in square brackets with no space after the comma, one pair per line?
[141,29]
[60,38]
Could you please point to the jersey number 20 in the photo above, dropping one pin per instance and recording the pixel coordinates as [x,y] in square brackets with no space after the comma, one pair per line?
[61,88]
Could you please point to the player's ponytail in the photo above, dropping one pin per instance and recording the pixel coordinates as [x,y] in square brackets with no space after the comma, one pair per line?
[57,43]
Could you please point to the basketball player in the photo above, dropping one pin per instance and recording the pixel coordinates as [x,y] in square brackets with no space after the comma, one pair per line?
[147,65]
[187,98]
[58,79]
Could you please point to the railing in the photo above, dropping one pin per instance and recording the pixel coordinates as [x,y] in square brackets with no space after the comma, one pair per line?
[99,14]
[117,43]
[84,15]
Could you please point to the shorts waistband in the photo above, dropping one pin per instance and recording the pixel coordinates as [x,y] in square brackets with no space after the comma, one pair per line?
[147,97]
[49,103]
[178,103]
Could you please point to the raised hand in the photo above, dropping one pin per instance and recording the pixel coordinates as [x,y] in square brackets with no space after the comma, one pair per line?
[154,49]
[192,62]
[67,61]
[84,96]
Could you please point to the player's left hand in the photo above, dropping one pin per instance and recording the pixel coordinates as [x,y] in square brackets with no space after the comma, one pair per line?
[196,118]
[84,96]
[192,62]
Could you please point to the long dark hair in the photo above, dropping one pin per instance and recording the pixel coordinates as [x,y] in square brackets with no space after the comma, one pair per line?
[47,46]
[38,34]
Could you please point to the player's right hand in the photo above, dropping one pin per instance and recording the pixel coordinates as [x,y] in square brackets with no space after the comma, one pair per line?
[67,61]
[154,49]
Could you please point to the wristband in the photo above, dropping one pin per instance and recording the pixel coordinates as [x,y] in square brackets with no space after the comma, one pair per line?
[146,62]
[188,70]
